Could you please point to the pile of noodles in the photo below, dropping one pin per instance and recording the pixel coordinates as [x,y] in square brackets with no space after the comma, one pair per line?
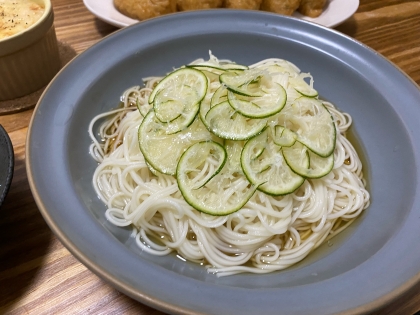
[269,233]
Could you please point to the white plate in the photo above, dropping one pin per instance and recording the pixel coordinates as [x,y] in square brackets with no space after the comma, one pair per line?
[336,12]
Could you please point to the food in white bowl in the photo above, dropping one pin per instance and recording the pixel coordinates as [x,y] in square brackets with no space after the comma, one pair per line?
[29,56]
[16,16]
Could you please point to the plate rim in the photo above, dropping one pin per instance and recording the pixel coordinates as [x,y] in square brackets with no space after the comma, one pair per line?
[160,304]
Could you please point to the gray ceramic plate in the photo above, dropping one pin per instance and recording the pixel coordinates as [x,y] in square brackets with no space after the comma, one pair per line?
[6,163]
[368,265]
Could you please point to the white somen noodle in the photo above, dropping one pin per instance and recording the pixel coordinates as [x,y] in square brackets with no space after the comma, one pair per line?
[269,233]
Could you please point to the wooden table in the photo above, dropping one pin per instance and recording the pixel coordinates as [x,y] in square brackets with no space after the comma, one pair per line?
[39,276]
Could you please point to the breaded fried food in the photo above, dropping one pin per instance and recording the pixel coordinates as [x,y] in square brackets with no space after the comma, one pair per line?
[285,7]
[187,5]
[145,9]
[312,8]
[243,4]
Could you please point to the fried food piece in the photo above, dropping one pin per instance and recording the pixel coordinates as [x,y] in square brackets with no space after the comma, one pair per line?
[186,5]
[243,4]
[312,8]
[145,9]
[285,7]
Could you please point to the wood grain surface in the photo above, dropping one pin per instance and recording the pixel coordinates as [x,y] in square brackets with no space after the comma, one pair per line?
[39,276]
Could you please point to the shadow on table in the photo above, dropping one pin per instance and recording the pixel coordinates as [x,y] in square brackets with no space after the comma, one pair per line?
[24,240]
[104,28]
[349,27]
